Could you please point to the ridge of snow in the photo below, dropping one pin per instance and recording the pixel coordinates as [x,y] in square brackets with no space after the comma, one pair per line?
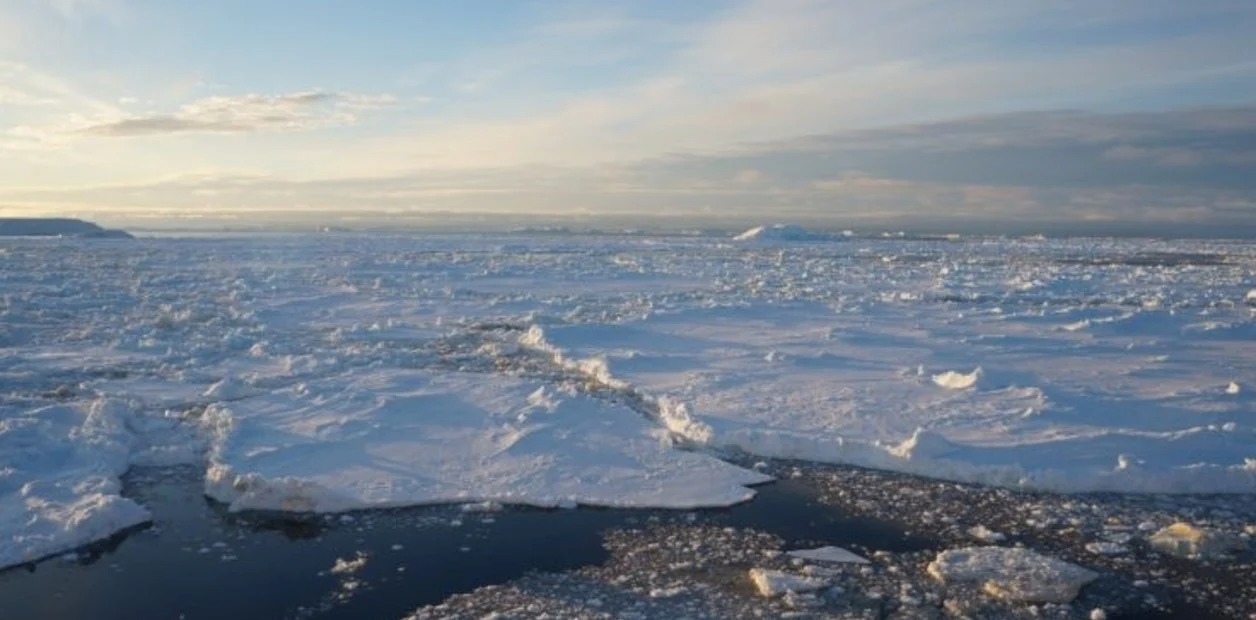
[782,232]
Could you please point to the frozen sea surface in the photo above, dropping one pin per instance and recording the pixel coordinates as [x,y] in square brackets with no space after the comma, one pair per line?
[337,372]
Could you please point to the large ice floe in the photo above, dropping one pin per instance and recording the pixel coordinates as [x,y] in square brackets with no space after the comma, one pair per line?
[397,438]
[59,468]
[330,373]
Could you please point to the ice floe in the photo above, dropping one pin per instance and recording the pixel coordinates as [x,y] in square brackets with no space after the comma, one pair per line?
[836,555]
[396,438]
[1016,574]
[776,583]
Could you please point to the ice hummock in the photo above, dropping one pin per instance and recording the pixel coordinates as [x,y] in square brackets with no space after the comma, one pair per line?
[953,380]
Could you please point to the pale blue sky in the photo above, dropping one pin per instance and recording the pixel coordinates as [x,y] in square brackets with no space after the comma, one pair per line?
[845,112]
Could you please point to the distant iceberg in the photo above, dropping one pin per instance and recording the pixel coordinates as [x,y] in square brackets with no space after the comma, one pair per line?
[56,227]
[784,232]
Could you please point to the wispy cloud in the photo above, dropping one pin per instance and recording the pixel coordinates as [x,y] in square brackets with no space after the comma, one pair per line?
[1185,156]
[765,70]
[27,86]
[113,10]
[246,114]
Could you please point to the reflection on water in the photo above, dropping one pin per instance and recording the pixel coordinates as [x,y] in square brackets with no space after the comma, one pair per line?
[199,561]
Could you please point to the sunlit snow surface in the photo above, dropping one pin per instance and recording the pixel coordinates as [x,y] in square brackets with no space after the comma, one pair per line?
[337,372]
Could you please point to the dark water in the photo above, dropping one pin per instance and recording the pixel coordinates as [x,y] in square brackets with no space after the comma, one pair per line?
[197,561]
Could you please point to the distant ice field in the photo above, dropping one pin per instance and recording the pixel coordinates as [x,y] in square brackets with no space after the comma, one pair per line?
[341,372]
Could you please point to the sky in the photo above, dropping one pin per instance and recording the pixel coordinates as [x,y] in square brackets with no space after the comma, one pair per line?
[945,116]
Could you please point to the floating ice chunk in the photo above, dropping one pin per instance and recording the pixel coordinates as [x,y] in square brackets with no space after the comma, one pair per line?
[1015,574]
[775,583]
[1106,548]
[1189,541]
[349,566]
[953,380]
[985,534]
[48,517]
[1250,298]
[836,555]
[667,592]
[1232,389]
[489,506]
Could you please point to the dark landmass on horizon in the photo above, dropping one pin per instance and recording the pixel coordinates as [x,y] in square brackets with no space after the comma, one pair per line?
[56,227]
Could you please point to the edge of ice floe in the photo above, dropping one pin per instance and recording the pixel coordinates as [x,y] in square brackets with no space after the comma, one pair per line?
[923,454]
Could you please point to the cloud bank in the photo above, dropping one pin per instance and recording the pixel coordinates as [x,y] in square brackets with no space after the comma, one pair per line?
[1025,170]
[904,112]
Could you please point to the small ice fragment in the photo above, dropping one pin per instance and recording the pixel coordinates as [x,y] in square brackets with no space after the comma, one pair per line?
[829,554]
[1105,548]
[1015,574]
[1189,541]
[771,583]
[667,592]
[486,506]
[985,534]
[1232,389]
[344,566]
